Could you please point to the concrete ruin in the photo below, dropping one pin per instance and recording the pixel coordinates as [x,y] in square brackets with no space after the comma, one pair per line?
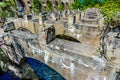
[37,35]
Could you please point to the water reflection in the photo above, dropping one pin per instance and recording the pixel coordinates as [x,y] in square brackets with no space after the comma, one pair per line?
[118,76]
[44,71]
[8,76]
[30,69]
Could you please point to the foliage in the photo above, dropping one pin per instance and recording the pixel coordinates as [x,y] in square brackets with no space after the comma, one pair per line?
[36,6]
[77,5]
[3,4]
[3,57]
[5,11]
[110,9]
[61,7]
[12,2]
[84,4]
[68,6]
[49,6]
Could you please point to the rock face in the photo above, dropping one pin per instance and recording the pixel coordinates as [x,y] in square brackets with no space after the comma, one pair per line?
[75,61]
[113,46]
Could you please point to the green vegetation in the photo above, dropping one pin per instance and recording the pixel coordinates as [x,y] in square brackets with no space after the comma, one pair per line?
[84,4]
[3,57]
[109,8]
[49,6]
[61,6]
[5,10]
[77,5]
[36,6]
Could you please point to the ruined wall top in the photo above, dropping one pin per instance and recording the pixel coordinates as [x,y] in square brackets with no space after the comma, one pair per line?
[92,13]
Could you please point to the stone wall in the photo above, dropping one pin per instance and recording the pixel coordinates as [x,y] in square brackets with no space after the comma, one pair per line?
[71,65]
[112,47]
[76,24]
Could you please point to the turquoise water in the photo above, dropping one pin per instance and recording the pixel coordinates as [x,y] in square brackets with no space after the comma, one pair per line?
[118,76]
[44,71]
[9,76]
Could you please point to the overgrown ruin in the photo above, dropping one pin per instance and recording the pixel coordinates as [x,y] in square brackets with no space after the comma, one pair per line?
[91,51]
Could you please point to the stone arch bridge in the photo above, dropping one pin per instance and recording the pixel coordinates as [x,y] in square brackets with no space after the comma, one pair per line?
[75,61]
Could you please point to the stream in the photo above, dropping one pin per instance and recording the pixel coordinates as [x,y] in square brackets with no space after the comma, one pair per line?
[41,70]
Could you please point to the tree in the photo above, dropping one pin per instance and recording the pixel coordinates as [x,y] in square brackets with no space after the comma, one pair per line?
[110,9]
[84,4]
[5,11]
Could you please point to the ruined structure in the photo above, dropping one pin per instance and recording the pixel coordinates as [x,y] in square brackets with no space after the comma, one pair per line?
[43,4]
[39,37]
[70,23]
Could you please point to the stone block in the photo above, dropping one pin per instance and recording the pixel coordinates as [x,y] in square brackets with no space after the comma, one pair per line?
[71,19]
[78,17]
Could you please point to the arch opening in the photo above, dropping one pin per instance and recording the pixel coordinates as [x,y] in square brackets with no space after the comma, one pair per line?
[24,29]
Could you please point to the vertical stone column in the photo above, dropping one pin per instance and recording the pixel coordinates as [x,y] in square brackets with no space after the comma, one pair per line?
[40,19]
[63,14]
[101,23]
[42,38]
[26,21]
[82,15]
[78,17]
[70,19]
[53,16]
[68,12]
[25,17]
[58,16]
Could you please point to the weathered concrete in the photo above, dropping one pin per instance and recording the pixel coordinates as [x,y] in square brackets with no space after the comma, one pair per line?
[75,61]
[82,26]
[71,65]
[112,47]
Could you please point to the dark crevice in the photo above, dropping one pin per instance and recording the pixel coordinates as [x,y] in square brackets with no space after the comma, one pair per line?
[69,38]
[118,76]
[50,35]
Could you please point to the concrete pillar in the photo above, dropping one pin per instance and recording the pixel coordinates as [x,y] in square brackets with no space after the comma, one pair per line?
[78,17]
[53,16]
[63,14]
[82,15]
[40,19]
[25,17]
[68,12]
[70,20]
[42,38]
[26,21]
[101,23]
